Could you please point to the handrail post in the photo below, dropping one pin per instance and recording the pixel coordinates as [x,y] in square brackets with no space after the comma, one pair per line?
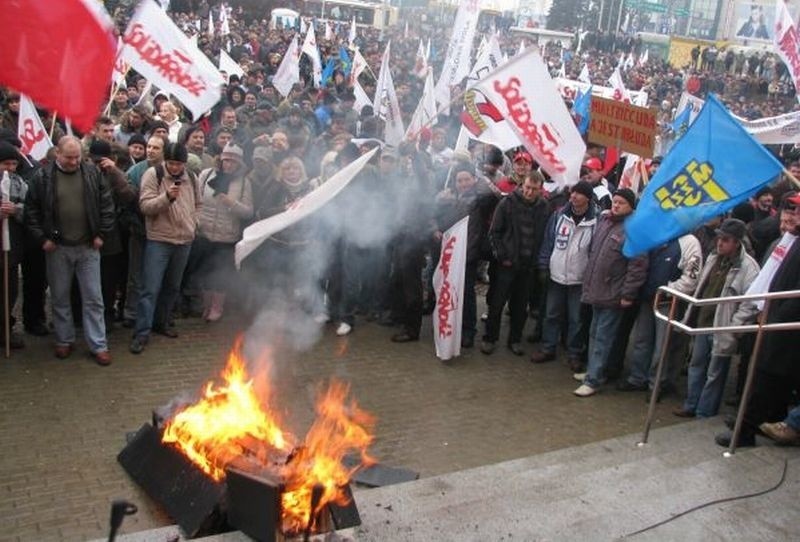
[748,383]
[651,409]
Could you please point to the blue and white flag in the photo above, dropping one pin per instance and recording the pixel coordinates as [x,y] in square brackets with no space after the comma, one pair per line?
[715,166]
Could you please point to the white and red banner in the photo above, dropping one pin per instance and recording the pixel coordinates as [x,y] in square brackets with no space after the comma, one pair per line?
[457,61]
[386,105]
[421,62]
[31,130]
[448,283]
[526,96]
[787,43]
[289,69]
[158,50]
[425,115]
[257,233]
[760,284]
[120,70]
[616,83]
[482,120]
[309,48]
[569,89]
[61,54]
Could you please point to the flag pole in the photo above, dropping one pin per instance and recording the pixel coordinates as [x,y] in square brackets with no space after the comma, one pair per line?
[791,177]
[53,124]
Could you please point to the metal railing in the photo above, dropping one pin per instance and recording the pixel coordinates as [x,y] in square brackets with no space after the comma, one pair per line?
[759,328]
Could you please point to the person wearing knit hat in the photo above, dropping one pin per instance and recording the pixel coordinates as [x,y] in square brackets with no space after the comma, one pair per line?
[584,188]
[628,195]
[611,285]
[137,148]
[234,152]
[9,152]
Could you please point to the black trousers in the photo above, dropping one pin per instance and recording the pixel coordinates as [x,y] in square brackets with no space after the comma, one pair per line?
[512,286]
[34,283]
[408,259]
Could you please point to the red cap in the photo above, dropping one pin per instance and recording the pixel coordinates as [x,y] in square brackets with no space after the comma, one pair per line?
[523,155]
[794,199]
[594,163]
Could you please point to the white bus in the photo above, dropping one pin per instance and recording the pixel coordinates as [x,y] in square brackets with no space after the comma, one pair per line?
[375,14]
[543,36]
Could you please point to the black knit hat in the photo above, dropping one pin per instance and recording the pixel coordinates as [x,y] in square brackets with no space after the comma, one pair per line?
[584,188]
[628,195]
[732,227]
[176,152]
[10,136]
[8,152]
[137,139]
[100,149]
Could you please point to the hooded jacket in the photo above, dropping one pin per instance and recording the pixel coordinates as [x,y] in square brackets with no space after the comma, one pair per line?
[565,249]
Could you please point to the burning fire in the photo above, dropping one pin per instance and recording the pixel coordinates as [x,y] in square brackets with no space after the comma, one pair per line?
[225,422]
[338,429]
[230,420]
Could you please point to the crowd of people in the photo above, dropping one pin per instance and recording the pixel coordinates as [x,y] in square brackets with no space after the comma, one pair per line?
[135,223]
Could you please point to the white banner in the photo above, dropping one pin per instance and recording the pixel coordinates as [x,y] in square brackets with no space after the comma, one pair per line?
[361,97]
[457,62]
[386,105]
[448,283]
[421,62]
[526,96]
[31,131]
[787,43]
[158,50]
[310,48]
[289,69]
[764,278]
[257,233]
[351,38]
[569,89]
[229,65]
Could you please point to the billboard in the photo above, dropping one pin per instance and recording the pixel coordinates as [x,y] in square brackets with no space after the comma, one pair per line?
[754,20]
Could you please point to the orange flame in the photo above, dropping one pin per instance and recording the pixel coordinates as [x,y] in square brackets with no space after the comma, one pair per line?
[338,429]
[225,422]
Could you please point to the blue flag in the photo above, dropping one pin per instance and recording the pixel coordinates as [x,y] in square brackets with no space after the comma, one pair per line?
[327,72]
[681,122]
[345,61]
[581,107]
[715,166]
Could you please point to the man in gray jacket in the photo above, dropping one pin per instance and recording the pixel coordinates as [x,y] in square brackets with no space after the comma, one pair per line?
[611,284]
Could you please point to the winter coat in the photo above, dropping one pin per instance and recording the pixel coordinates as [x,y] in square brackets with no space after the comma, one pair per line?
[478,202]
[610,276]
[779,354]
[168,221]
[504,232]
[565,248]
[217,222]
[741,274]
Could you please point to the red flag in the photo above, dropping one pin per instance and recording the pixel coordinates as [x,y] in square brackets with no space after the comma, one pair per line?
[60,54]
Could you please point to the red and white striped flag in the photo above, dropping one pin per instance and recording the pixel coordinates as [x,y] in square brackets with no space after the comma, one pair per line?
[60,54]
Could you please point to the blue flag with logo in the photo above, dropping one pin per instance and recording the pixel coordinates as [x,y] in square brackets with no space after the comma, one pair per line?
[715,166]
[327,72]
[681,121]
[345,61]
[581,107]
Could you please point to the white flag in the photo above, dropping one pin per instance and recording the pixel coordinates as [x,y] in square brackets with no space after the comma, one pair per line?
[448,283]
[352,37]
[328,32]
[224,26]
[761,283]
[644,57]
[631,176]
[180,69]
[289,70]
[257,233]
[198,24]
[31,131]
[521,48]
[584,75]
[310,48]
[405,32]
[210,25]
[425,115]
[421,62]
[616,82]
[489,58]
[359,65]
[527,98]
[457,61]
[303,26]
[386,105]
[787,43]
[361,97]
[229,65]
[629,62]
[120,68]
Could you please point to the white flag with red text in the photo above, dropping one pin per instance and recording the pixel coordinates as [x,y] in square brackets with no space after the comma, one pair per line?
[31,130]
[526,96]
[448,284]
[310,49]
[787,43]
[289,69]
[616,82]
[257,233]
[162,53]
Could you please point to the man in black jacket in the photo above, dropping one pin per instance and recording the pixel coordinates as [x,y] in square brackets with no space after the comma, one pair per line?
[69,213]
[515,236]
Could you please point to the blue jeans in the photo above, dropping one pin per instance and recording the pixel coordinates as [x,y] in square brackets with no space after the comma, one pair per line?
[563,299]
[601,338]
[706,380]
[82,262]
[649,335]
[793,418]
[162,270]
